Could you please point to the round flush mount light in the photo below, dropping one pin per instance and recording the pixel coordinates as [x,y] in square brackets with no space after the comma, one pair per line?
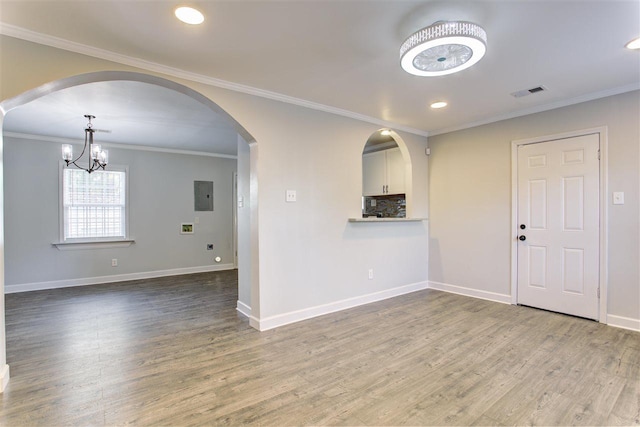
[189,15]
[633,44]
[443,48]
[439,104]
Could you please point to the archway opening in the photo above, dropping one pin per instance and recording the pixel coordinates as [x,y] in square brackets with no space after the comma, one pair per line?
[386,176]
[246,242]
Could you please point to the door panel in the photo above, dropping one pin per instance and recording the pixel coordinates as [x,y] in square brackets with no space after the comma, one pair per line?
[538,204]
[537,266]
[558,203]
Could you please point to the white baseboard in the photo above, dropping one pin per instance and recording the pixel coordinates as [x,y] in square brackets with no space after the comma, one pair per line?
[4,377]
[243,309]
[623,322]
[319,310]
[55,284]
[469,292]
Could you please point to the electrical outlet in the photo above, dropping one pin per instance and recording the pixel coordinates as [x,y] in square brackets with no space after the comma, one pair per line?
[291,196]
[209,246]
[114,262]
[370,273]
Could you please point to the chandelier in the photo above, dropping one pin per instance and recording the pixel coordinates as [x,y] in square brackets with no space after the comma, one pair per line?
[98,158]
[443,48]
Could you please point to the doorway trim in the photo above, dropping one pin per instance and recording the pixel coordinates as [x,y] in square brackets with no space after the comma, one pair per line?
[602,131]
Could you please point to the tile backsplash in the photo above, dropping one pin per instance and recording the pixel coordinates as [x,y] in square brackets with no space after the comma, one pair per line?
[390,206]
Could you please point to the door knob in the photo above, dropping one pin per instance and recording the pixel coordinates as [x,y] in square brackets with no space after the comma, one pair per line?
[522,226]
[522,238]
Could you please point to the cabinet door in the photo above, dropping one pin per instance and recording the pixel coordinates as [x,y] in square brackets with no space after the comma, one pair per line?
[395,171]
[373,173]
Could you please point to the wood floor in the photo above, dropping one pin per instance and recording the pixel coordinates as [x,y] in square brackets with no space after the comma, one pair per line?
[174,352]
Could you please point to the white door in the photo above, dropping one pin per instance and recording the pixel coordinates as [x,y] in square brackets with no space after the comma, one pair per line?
[558,225]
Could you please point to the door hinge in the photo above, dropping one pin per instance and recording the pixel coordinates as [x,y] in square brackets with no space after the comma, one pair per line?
[598,154]
[598,292]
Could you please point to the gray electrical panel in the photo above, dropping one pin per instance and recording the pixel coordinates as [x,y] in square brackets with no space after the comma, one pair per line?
[203,195]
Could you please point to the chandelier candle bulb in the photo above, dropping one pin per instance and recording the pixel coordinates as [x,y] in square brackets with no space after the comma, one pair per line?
[67,152]
[104,156]
[96,152]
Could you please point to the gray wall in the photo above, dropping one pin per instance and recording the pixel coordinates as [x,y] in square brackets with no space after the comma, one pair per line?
[161,197]
[470,197]
[311,259]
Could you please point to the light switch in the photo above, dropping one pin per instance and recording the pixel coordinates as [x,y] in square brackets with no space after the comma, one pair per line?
[618,198]
[240,202]
[291,196]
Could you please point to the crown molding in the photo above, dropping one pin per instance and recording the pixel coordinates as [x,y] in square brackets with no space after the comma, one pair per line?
[540,108]
[58,140]
[47,40]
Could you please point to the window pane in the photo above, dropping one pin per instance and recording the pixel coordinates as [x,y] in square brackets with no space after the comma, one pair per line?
[93,204]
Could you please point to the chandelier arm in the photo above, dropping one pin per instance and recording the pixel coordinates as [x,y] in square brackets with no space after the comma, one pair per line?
[83,150]
[76,165]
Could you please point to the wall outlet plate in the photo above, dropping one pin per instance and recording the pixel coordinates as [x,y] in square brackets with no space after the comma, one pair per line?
[291,196]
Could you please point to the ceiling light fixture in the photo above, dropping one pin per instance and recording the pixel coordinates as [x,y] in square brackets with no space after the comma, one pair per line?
[98,158]
[439,104]
[633,44]
[443,48]
[189,15]
[385,132]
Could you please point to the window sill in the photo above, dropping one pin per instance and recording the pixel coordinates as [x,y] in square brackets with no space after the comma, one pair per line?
[104,244]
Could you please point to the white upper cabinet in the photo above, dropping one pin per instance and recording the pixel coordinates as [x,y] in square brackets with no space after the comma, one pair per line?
[383,173]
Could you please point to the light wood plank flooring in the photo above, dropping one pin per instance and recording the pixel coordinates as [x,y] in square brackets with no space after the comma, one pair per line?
[174,352]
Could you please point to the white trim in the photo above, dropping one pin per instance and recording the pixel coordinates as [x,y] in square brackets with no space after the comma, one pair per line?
[541,108]
[623,322]
[56,284]
[470,292]
[43,39]
[277,320]
[234,215]
[602,132]
[243,309]
[105,244]
[4,378]
[58,140]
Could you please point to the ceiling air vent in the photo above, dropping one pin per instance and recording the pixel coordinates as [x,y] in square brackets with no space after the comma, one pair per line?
[521,93]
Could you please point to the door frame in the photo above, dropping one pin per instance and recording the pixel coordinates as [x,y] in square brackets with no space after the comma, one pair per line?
[234,203]
[603,208]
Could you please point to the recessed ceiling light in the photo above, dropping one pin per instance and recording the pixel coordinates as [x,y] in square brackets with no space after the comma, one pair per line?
[443,48]
[439,104]
[633,44]
[189,15]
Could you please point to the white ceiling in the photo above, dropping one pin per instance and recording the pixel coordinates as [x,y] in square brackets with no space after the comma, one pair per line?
[133,113]
[344,54]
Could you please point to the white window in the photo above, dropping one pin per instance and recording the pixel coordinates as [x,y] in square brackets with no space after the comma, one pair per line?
[94,205]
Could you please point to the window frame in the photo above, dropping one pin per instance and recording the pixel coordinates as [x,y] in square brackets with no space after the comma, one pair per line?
[98,241]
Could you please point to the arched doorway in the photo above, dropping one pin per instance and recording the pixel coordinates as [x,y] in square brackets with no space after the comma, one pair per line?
[247,236]
[387,173]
